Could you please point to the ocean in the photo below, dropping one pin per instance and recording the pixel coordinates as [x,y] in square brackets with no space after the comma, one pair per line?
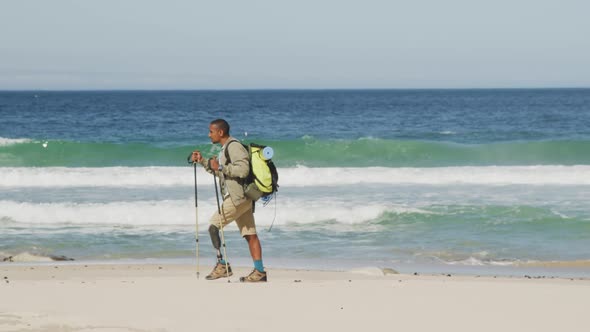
[430,181]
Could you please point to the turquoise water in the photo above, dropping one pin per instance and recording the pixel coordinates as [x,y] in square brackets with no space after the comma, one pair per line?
[307,151]
[435,180]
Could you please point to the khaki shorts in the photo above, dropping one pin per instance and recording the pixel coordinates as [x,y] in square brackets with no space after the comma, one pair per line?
[242,214]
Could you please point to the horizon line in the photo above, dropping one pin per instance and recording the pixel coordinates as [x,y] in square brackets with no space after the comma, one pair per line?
[289,89]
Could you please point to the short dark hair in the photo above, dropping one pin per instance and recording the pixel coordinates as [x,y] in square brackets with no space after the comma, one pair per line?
[221,124]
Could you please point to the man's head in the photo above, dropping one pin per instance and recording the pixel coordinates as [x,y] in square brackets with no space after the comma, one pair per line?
[218,130]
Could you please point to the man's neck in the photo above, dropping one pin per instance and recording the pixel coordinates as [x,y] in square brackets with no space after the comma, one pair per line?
[223,140]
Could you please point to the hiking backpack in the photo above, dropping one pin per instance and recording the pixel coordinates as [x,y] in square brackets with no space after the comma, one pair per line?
[262,181]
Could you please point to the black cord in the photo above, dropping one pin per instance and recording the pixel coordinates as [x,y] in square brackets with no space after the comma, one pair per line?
[275,216]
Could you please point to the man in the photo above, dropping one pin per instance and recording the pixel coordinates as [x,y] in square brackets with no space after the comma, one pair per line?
[236,206]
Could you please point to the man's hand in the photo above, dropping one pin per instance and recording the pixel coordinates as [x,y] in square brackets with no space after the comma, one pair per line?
[197,157]
[214,163]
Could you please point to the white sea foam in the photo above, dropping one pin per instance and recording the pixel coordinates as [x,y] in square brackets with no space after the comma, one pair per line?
[474,261]
[484,175]
[481,258]
[138,213]
[100,177]
[182,212]
[11,141]
[298,176]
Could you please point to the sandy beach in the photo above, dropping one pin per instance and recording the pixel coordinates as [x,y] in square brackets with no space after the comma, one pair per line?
[69,297]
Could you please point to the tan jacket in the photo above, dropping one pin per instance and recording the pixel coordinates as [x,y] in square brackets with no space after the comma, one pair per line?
[232,175]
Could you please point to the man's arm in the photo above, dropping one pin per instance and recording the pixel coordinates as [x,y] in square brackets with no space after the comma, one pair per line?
[203,161]
[240,162]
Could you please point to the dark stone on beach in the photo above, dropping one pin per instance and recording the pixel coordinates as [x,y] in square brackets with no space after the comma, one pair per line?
[349,280]
[5,277]
[449,275]
[528,277]
[61,258]
[297,280]
[159,267]
[54,258]
[415,273]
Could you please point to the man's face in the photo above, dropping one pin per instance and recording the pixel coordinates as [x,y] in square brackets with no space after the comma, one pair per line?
[215,133]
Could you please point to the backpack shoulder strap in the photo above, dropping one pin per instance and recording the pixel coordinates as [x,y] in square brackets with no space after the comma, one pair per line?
[226,152]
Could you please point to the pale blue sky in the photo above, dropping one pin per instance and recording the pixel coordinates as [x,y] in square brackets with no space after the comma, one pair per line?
[144,44]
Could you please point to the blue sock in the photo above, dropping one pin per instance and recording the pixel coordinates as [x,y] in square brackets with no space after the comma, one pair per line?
[258,265]
[222,261]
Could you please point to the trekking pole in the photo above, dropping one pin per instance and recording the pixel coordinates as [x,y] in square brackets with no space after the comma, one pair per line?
[221,227]
[196,218]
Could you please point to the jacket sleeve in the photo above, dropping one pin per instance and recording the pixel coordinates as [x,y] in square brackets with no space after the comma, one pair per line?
[205,163]
[240,162]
